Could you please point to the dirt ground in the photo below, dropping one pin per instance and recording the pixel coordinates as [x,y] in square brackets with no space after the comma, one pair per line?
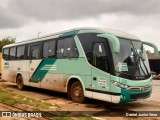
[92,107]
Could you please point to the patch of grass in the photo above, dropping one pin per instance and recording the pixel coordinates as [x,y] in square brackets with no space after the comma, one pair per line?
[10,98]
[41,107]
[7,97]
[70,116]
[9,101]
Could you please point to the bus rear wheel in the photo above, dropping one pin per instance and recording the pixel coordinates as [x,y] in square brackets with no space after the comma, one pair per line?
[20,84]
[76,92]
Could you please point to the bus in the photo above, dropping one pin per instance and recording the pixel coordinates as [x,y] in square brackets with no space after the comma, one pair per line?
[103,64]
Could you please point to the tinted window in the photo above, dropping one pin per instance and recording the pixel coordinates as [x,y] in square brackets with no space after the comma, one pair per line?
[5,53]
[96,50]
[87,39]
[66,48]
[20,52]
[36,52]
[13,53]
[49,49]
[100,56]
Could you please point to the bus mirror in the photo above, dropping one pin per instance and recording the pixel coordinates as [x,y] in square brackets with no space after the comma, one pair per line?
[114,40]
[153,46]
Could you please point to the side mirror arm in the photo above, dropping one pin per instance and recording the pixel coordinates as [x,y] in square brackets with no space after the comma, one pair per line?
[153,46]
[114,40]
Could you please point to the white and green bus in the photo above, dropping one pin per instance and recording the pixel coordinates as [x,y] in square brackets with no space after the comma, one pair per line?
[102,64]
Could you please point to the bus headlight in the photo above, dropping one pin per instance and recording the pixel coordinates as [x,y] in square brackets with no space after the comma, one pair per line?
[120,85]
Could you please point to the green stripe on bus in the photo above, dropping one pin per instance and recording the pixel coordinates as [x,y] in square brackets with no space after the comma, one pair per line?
[69,33]
[39,74]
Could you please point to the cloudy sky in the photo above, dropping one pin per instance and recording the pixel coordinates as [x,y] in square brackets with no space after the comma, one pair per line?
[23,19]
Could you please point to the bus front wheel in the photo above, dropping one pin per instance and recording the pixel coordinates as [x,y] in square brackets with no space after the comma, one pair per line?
[76,92]
[20,84]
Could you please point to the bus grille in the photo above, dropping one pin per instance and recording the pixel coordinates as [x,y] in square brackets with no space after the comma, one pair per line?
[138,89]
[136,96]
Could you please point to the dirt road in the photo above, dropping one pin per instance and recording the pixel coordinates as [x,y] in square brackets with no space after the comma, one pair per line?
[98,108]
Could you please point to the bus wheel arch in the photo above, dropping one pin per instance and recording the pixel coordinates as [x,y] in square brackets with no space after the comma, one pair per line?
[19,81]
[75,90]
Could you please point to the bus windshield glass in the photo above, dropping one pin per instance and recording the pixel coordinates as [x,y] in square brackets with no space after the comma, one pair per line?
[131,62]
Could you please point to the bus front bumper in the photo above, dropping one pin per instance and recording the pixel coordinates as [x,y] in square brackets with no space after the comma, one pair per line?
[128,96]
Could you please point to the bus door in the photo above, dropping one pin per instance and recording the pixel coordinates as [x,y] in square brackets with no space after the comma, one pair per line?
[35,63]
[100,72]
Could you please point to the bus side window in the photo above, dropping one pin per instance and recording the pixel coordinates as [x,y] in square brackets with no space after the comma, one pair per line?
[6,53]
[60,49]
[49,49]
[96,50]
[12,53]
[45,50]
[20,52]
[100,59]
[36,52]
[66,48]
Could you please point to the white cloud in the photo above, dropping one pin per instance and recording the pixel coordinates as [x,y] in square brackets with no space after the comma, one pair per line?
[144,27]
[4,3]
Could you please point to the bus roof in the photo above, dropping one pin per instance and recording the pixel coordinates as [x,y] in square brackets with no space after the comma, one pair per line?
[77,31]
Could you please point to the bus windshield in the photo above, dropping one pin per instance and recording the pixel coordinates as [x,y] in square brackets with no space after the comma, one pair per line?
[131,62]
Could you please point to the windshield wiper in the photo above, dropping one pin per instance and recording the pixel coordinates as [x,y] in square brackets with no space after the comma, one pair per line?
[139,58]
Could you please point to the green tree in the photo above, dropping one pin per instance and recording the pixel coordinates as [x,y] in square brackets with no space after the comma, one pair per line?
[6,41]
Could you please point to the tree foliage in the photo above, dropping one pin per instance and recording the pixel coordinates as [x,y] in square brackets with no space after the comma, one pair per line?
[6,41]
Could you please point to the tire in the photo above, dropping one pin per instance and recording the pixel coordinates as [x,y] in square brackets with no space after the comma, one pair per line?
[20,84]
[76,92]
